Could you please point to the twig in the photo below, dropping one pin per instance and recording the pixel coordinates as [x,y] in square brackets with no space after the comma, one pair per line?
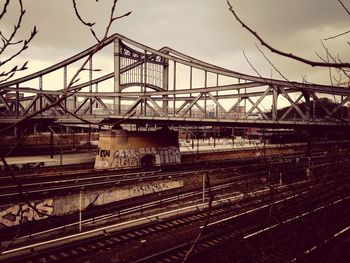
[338,35]
[23,193]
[210,202]
[5,8]
[345,8]
[74,79]
[272,65]
[9,41]
[282,53]
[79,17]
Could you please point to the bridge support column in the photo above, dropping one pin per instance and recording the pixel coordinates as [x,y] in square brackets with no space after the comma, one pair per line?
[307,105]
[90,86]
[17,101]
[274,103]
[41,88]
[165,83]
[117,99]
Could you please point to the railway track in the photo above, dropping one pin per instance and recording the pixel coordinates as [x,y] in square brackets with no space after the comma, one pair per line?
[276,235]
[128,209]
[52,185]
[234,210]
[40,180]
[236,181]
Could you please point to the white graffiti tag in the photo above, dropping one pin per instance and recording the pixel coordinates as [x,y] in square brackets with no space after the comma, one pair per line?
[15,214]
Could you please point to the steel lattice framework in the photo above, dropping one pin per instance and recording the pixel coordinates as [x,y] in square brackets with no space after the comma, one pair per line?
[166,86]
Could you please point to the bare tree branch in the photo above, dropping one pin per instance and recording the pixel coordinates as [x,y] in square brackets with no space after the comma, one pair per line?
[210,202]
[345,8]
[329,55]
[282,53]
[119,17]
[24,47]
[274,67]
[251,65]
[3,12]
[74,79]
[79,17]
[9,41]
[338,35]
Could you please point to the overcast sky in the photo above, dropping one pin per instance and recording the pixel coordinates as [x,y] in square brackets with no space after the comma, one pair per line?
[204,29]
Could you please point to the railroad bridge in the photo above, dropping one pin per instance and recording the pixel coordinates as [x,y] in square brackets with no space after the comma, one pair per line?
[144,85]
[160,211]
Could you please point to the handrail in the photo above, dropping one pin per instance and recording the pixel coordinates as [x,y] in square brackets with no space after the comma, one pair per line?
[180,58]
[59,65]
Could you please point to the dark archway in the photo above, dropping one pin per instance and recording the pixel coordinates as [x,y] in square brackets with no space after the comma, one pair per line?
[148,161]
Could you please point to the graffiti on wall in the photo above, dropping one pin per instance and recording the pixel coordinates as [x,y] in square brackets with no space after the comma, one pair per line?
[155,187]
[126,158]
[136,190]
[16,214]
[131,157]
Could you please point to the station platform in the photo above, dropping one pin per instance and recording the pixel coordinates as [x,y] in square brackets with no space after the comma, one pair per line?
[186,148]
[65,159]
[221,145]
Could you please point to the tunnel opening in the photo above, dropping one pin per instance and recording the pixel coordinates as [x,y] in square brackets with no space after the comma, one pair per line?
[148,161]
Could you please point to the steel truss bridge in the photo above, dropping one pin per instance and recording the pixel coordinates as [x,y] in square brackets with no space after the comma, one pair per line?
[145,85]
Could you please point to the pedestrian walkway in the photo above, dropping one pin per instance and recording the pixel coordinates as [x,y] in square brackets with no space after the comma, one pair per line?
[64,159]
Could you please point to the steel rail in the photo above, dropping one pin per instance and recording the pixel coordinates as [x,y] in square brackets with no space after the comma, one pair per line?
[240,230]
[120,179]
[143,207]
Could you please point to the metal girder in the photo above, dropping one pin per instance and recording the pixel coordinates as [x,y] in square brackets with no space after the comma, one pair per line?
[255,105]
[294,105]
[234,106]
[291,107]
[81,105]
[160,92]
[340,105]
[159,109]
[182,106]
[100,102]
[31,104]
[133,106]
[258,108]
[156,113]
[6,105]
[216,102]
[191,104]
[314,96]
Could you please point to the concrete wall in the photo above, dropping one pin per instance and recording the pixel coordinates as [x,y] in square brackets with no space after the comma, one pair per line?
[12,214]
[119,148]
